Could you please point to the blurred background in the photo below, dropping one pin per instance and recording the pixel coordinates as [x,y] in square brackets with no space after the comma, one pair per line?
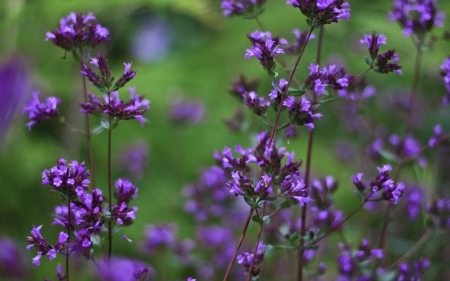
[183,52]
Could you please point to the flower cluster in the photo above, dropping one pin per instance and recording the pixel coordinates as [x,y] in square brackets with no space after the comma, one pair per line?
[391,191]
[134,159]
[249,8]
[301,112]
[264,49]
[356,265]
[408,273]
[120,268]
[121,212]
[321,12]
[105,79]
[117,108]
[445,73]
[43,247]
[247,258]
[416,16]
[39,112]
[77,32]
[439,211]
[319,79]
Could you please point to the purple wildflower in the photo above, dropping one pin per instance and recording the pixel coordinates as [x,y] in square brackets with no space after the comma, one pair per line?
[264,49]
[191,279]
[275,95]
[186,111]
[437,134]
[301,112]
[158,236]
[246,259]
[387,62]
[116,108]
[439,211]
[407,273]
[373,43]
[321,12]
[124,269]
[358,90]
[43,247]
[241,85]
[39,112]
[332,76]
[257,104]
[78,31]
[445,73]
[123,213]
[12,260]
[416,16]
[219,240]
[249,8]
[134,159]
[15,81]
[414,197]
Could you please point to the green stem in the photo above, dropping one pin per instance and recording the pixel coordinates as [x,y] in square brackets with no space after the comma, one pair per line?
[258,238]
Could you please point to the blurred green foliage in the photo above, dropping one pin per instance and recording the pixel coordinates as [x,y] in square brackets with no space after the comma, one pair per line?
[207,51]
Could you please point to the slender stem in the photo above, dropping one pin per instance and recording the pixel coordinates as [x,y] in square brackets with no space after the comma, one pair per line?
[88,134]
[307,175]
[414,248]
[412,101]
[238,246]
[258,238]
[70,126]
[68,241]
[109,188]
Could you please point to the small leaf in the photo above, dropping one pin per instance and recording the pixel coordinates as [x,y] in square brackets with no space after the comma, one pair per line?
[105,123]
[76,57]
[295,237]
[388,275]
[297,92]
[61,119]
[265,122]
[359,194]
[329,99]
[250,202]
[257,219]
[285,125]
[368,60]
[266,219]
[86,56]
[285,205]
[113,126]
[388,155]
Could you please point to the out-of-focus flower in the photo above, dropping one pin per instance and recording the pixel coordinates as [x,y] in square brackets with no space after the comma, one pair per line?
[39,112]
[124,269]
[445,73]
[437,133]
[12,260]
[301,39]
[134,159]
[15,81]
[416,16]
[248,8]
[408,273]
[187,111]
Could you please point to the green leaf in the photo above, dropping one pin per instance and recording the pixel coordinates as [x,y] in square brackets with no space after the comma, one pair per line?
[61,119]
[388,275]
[285,204]
[388,155]
[105,123]
[297,92]
[250,202]
[97,130]
[285,125]
[266,219]
[257,219]
[86,56]
[271,73]
[113,126]
[359,194]
[309,22]
[329,99]
[76,57]
[265,122]
[368,60]
[295,237]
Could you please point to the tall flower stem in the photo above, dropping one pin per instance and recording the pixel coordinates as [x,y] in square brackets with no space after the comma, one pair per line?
[307,173]
[88,134]
[238,246]
[412,101]
[109,185]
[68,241]
[258,238]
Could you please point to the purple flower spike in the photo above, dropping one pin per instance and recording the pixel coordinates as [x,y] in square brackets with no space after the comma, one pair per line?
[322,11]
[264,49]
[301,112]
[248,8]
[416,16]
[78,31]
[246,259]
[437,134]
[373,43]
[331,76]
[39,112]
[388,62]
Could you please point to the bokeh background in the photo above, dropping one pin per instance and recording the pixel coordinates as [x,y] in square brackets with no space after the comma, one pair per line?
[181,48]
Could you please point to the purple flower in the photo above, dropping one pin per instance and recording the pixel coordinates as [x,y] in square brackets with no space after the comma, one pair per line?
[321,12]
[264,49]
[416,16]
[12,260]
[186,111]
[124,269]
[77,32]
[407,273]
[437,134]
[158,236]
[116,108]
[439,211]
[249,8]
[39,112]
[373,43]
[257,104]
[43,247]
[387,62]
[414,198]
[301,112]
[241,85]
[134,159]
[219,240]
[332,76]
[246,259]
[445,73]
[15,81]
